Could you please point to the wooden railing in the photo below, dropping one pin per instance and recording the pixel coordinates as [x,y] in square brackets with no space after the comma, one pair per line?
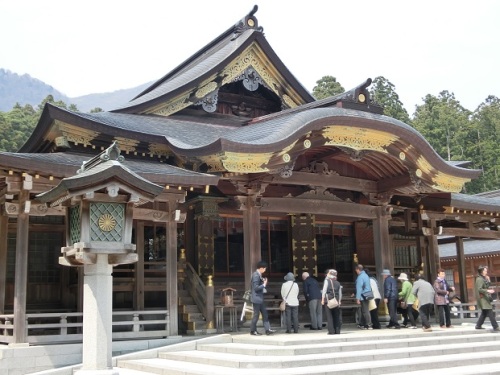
[68,326]
[196,288]
[470,310]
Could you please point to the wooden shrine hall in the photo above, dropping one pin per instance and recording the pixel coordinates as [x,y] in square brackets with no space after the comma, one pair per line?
[251,167]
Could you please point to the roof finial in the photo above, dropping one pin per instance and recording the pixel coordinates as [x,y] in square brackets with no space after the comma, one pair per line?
[247,22]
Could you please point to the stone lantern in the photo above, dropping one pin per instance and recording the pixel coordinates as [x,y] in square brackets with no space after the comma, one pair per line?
[100,201]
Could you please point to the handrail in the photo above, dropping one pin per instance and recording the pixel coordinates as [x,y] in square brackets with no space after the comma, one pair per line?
[68,326]
[196,288]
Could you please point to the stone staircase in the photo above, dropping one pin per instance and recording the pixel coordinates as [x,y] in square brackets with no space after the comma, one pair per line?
[458,351]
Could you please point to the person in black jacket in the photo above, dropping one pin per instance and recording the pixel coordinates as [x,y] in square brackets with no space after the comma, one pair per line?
[391,298]
[259,283]
[312,293]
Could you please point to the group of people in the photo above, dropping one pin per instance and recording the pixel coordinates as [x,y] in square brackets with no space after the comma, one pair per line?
[411,300]
[316,299]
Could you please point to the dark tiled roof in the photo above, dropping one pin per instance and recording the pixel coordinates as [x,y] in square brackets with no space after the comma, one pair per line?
[210,60]
[471,248]
[66,165]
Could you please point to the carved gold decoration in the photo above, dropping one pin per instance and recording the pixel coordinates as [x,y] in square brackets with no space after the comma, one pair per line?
[253,56]
[286,158]
[126,145]
[402,155]
[173,106]
[246,163]
[75,134]
[440,181]
[307,143]
[357,138]
[159,150]
[445,182]
[107,222]
[418,173]
[289,101]
[205,90]
[361,98]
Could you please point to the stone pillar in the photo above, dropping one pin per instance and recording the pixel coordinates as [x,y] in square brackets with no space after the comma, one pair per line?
[21,271]
[4,221]
[172,276]
[97,318]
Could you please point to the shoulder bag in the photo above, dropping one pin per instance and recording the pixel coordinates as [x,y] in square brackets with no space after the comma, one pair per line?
[283,303]
[333,302]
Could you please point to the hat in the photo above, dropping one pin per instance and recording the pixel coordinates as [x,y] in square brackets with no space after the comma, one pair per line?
[386,272]
[289,276]
[403,276]
[331,274]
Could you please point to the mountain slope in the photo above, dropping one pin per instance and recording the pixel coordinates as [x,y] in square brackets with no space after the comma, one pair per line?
[24,89]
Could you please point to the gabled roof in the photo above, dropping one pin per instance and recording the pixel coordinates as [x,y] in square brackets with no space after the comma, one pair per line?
[220,62]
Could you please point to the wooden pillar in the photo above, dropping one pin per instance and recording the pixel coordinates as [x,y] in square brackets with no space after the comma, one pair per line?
[251,230]
[139,266]
[434,260]
[464,294]
[384,254]
[4,221]
[21,270]
[172,274]
[304,244]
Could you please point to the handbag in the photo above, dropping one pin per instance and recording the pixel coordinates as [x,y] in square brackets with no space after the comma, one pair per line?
[368,295]
[283,303]
[332,303]
[415,304]
[372,305]
[247,296]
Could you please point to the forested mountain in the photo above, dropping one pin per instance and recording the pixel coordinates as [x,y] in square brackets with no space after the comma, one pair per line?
[24,89]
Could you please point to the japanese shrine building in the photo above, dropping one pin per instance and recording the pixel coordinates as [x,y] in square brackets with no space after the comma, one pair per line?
[253,167]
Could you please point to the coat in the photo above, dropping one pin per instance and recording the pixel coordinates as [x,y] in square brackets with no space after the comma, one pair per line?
[290,288]
[482,296]
[311,289]
[390,288]
[406,295]
[424,292]
[258,288]
[442,289]
[362,285]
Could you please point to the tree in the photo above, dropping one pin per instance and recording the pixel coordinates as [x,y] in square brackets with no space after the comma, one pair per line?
[384,93]
[445,124]
[327,86]
[484,151]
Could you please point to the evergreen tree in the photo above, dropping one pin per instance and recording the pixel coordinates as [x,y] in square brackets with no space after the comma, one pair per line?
[384,93]
[327,86]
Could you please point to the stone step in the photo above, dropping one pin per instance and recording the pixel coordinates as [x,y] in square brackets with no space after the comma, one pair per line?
[331,346]
[314,352]
[268,360]
[451,364]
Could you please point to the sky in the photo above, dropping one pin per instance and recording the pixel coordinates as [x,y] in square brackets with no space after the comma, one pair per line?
[422,47]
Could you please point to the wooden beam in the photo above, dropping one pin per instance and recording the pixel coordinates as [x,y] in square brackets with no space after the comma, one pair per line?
[471,233]
[394,183]
[329,181]
[319,207]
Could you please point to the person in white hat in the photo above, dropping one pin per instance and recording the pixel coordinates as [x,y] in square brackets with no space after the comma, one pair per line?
[407,298]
